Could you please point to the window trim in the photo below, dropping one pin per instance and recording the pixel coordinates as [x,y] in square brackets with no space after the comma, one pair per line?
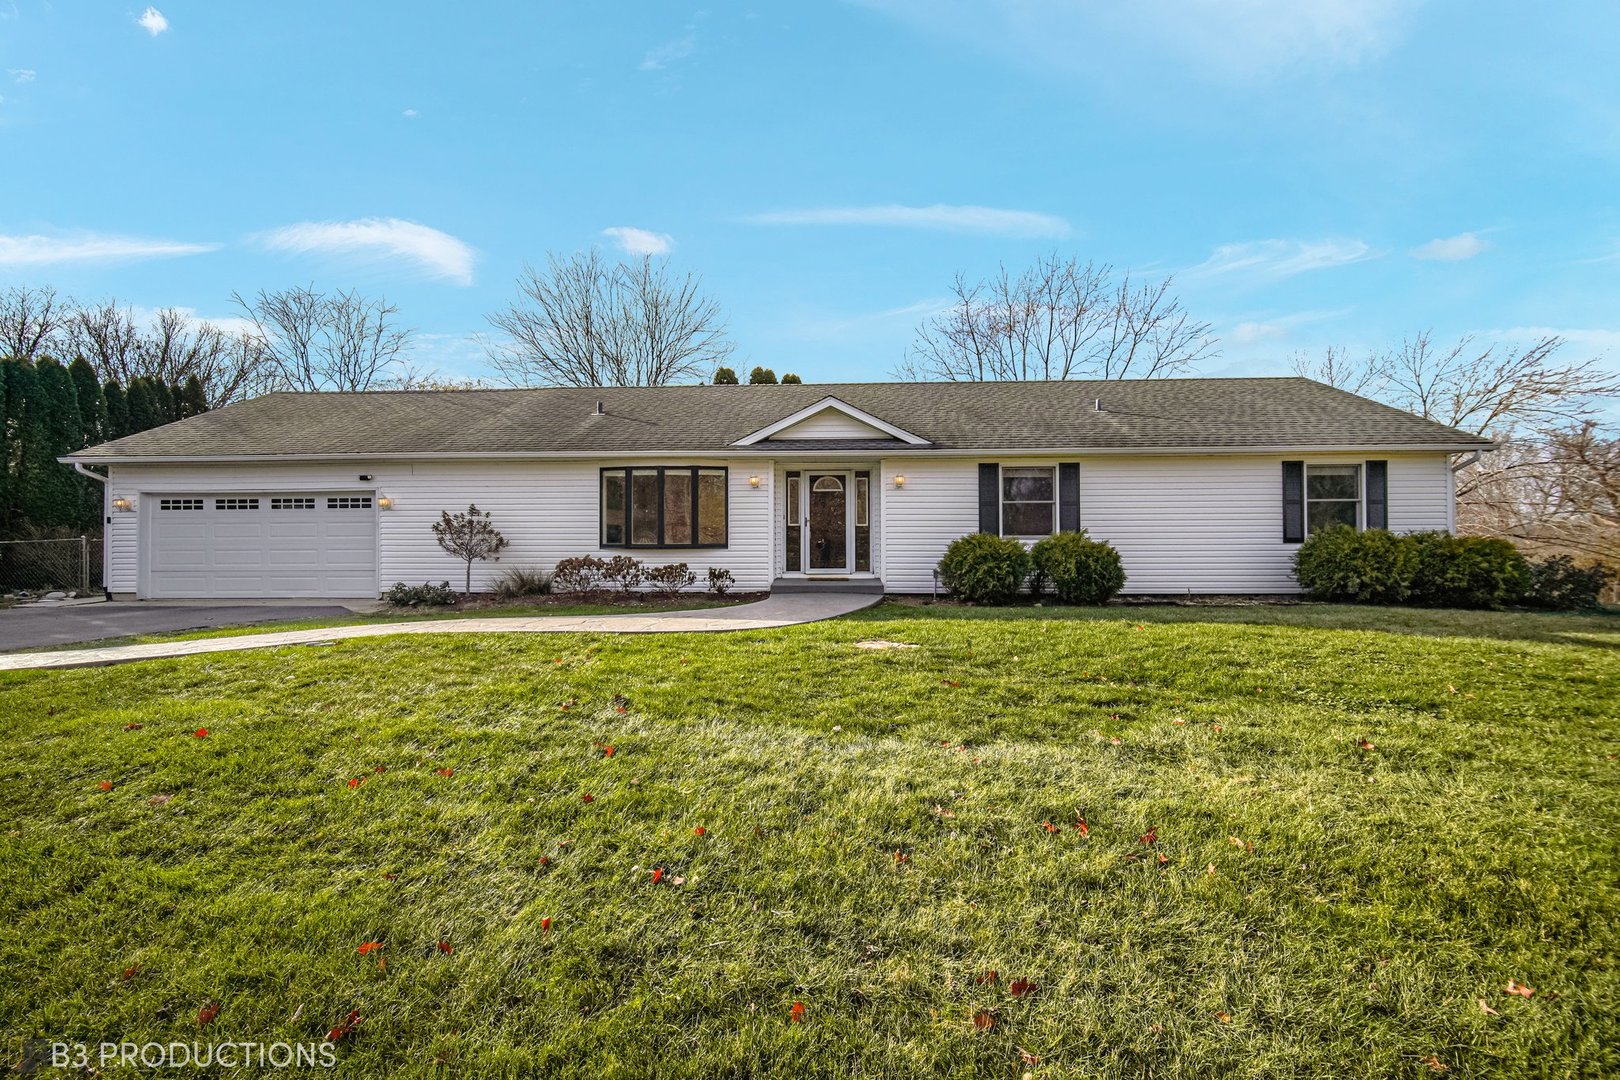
[1001,501]
[1361,492]
[627,472]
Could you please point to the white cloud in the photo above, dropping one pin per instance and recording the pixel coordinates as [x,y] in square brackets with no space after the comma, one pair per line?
[640,241]
[21,76]
[410,114]
[37,250]
[987,220]
[430,253]
[1281,258]
[1451,248]
[152,21]
[1237,40]
[1276,328]
[669,52]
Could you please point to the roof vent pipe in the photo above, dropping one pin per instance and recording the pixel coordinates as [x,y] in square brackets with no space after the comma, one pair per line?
[1099,404]
[599,409]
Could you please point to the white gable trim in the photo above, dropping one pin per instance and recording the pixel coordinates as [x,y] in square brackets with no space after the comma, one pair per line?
[832,403]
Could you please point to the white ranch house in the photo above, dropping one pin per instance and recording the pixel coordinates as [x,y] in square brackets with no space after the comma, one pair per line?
[1204,485]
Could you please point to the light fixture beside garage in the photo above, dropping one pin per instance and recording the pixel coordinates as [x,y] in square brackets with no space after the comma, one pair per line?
[384,502]
[753,481]
[122,505]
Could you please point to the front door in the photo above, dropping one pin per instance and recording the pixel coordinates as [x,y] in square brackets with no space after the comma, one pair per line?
[828,517]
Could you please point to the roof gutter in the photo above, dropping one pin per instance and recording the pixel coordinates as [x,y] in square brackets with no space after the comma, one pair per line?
[80,468]
[762,450]
[1470,459]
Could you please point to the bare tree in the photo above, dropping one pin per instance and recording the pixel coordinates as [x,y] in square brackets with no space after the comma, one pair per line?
[31,322]
[1552,483]
[1059,319]
[174,348]
[314,340]
[586,322]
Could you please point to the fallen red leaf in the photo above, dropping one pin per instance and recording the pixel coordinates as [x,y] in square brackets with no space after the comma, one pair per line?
[900,856]
[202,733]
[950,682]
[1021,987]
[657,875]
[446,948]
[132,727]
[106,785]
[390,877]
[1049,827]
[1224,1017]
[347,1025]
[354,781]
[983,1021]
[380,769]
[1151,836]
[587,797]
[1163,858]
[618,708]
[1518,988]
[988,978]
[129,972]
[1365,744]
[444,772]
[607,751]
[1435,1064]
[545,860]
[368,947]
[545,923]
[1080,824]
[796,1014]
[206,1014]
[699,831]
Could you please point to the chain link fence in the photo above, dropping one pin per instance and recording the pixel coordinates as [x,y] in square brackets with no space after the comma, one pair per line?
[35,567]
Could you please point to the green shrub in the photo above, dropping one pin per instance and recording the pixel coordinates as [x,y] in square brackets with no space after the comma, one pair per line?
[519,581]
[1561,584]
[1079,569]
[1466,571]
[424,595]
[1371,567]
[985,569]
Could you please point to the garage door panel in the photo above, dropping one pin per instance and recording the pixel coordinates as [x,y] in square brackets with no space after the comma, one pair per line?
[250,544]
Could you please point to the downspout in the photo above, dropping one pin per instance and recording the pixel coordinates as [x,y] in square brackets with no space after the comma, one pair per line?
[83,470]
[1470,459]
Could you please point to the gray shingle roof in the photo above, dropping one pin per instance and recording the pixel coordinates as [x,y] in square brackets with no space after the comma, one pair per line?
[1160,414]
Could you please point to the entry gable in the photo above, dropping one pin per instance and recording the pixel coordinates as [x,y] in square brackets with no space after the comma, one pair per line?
[830,418]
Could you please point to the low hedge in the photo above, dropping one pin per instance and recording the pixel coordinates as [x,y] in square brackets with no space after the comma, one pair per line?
[1437,569]
[985,569]
[1079,569]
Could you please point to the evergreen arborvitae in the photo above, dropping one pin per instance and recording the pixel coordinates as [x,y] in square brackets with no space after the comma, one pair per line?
[117,425]
[92,404]
[16,376]
[193,402]
[143,406]
[163,397]
[52,494]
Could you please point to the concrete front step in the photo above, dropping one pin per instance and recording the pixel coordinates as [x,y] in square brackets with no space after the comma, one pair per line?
[827,584]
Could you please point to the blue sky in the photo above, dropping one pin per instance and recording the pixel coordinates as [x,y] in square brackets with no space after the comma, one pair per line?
[1312,171]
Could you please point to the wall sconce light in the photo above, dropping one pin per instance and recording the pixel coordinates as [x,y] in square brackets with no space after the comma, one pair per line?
[900,480]
[753,481]
[384,502]
[122,505]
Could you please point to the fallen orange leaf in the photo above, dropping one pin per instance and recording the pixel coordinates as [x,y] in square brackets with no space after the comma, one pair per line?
[796,1014]
[206,1014]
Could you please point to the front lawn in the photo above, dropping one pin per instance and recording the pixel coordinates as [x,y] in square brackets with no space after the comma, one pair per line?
[1312,847]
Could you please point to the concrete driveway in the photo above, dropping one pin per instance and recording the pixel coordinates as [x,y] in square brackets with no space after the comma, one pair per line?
[32,625]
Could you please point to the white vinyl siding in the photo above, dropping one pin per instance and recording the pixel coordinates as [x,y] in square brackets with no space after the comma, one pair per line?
[831,424]
[1182,523]
[546,510]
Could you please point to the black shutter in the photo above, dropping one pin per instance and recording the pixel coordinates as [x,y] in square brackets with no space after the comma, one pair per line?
[1293,502]
[1377,494]
[990,498]
[1069,496]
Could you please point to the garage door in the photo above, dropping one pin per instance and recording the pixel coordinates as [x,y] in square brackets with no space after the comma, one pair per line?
[256,544]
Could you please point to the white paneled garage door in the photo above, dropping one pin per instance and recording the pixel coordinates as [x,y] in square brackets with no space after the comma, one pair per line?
[257,544]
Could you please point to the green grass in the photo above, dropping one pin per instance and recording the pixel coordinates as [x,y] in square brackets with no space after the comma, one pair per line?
[1323,909]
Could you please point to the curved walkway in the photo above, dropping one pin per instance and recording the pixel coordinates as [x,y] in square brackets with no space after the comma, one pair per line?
[788,609]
